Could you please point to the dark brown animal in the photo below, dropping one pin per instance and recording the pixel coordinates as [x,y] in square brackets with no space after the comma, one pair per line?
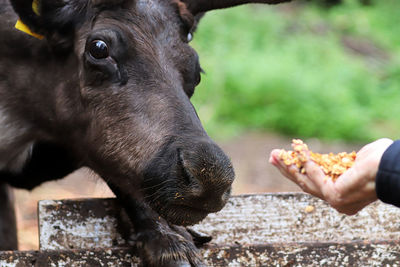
[108,88]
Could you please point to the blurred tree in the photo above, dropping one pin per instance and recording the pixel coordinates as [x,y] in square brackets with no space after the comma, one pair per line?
[330,3]
[301,70]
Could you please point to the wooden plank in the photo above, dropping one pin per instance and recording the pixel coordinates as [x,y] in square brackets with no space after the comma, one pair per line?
[252,230]
[90,258]
[284,254]
[246,220]
[79,224]
[297,217]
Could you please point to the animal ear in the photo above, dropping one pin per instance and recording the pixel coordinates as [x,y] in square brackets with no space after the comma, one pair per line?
[199,6]
[28,13]
[189,20]
[184,13]
[55,19]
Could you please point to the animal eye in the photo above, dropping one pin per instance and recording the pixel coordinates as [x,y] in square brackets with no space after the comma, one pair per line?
[98,49]
[189,37]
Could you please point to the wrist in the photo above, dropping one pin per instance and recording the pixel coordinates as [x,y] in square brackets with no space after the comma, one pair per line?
[388,175]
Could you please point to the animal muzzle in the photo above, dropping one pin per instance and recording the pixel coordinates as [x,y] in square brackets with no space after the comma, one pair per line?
[189,181]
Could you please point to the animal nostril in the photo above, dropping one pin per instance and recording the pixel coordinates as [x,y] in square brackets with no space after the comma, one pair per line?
[184,173]
[205,165]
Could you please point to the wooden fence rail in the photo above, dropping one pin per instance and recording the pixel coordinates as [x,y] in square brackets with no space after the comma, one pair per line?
[288,229]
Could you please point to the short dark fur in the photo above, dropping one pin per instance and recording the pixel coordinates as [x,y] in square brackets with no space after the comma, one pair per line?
[109,89]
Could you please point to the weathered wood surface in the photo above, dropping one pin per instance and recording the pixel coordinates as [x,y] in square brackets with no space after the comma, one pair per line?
[69,258]
[246,220]
[305,254]
[252,230]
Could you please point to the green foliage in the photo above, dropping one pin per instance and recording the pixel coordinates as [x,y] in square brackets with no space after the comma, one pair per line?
[288,69]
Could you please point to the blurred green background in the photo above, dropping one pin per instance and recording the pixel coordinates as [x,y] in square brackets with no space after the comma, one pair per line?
[302,70]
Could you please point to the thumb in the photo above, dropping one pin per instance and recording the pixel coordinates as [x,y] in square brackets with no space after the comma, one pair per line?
[315,173]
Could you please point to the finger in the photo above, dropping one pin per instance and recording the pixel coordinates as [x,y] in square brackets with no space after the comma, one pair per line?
[324,184]
[315,173]
[347,201]
[307,185]
[293,173]
[378,146]
[274,157]
[358,181]
[287,171]
[354,187]
[349,181]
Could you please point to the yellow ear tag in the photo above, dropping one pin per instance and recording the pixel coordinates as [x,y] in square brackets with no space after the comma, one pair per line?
[22,27]
[35,7]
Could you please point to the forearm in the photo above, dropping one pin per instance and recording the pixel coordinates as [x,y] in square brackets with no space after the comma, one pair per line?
[388,176]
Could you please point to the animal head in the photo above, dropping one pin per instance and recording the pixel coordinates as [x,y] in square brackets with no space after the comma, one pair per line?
[135,73]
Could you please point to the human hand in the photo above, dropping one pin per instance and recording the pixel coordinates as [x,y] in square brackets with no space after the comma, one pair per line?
[351,191]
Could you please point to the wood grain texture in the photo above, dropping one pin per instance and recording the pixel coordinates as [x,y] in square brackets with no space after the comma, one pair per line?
[252,230]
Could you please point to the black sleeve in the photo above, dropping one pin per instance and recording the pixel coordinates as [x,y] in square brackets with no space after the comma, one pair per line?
[388,176]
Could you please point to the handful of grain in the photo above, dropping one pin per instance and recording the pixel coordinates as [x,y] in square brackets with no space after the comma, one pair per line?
[333,165]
